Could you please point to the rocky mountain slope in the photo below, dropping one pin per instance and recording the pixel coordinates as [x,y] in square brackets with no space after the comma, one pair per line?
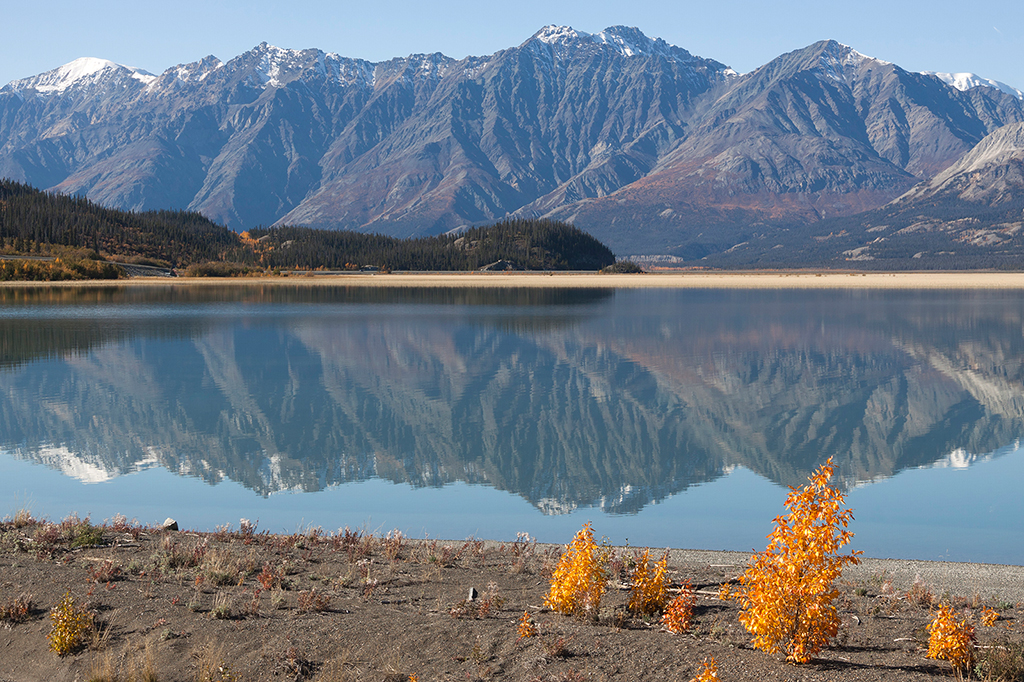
[971,215]
[649,148]
[820,132]
[992,173]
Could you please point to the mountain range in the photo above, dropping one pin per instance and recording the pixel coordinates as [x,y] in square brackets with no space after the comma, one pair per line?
[647,147]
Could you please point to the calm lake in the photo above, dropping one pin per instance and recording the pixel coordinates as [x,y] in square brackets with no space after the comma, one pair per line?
[666,417]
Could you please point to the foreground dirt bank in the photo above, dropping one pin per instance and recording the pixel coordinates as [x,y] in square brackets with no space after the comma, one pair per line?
[687,280]
[245,605]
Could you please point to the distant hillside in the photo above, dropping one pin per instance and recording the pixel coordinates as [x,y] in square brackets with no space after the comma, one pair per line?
[523,244]
[30,219]
[41,224]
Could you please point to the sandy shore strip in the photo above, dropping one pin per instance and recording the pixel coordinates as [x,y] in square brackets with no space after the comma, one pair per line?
[703,280]
[588,280]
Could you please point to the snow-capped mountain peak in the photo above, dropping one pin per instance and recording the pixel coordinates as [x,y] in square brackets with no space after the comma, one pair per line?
[79,71]
[966,81]
[629,42]
[559,35]
[626,40]
[73,71]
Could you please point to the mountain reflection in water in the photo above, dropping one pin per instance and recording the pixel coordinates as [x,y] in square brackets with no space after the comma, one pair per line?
[569,398]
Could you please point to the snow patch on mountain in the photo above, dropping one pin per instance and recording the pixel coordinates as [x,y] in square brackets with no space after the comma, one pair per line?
[417,68]
[275,62]
[276,67]
[626,40]
[430,66]
[839,62]
[347,71]
[195,72]
[966,81]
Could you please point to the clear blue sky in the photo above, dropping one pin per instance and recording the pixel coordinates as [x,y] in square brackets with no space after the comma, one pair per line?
[984,36]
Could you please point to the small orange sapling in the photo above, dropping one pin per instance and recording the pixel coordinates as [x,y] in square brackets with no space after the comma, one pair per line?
[788,590]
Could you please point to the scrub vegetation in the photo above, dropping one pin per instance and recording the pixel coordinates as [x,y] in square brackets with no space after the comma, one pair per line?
[120,601]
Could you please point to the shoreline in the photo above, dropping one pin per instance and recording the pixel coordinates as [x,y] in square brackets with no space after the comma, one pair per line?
[335,607]
[348,605]
[955,577]
[590,280]
[968,578]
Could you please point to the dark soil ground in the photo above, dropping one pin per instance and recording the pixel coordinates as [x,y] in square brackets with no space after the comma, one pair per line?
[245,605]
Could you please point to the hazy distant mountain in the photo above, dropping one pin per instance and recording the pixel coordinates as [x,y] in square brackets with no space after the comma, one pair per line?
[649,148]
[966,81]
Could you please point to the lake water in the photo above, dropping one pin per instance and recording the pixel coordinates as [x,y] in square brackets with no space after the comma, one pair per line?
[665,417]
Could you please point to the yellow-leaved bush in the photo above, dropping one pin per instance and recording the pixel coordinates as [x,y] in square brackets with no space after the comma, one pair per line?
[579,579]
[787,593]
[69,624]
[951,640]
[649,587]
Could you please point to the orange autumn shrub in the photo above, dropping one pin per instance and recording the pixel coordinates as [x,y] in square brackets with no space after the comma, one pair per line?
[709,673]
[649,588]
[788,592]
[579,579]
[951,640]
[679,612]
[527,626]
